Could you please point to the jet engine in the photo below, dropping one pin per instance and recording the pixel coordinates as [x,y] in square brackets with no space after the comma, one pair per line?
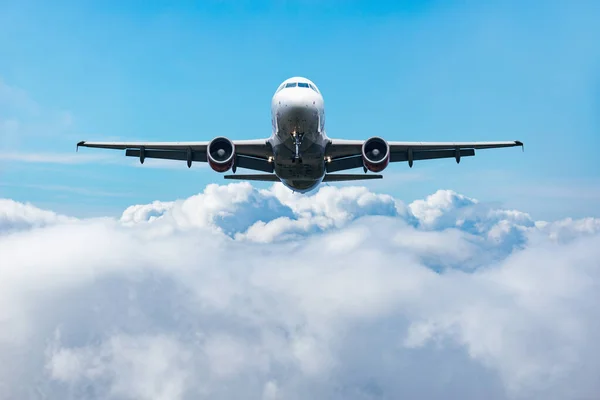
[220,154]
[375,154]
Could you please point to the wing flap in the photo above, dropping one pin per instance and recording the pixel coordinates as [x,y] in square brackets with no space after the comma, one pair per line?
[399,156]
[257,164]
[452,145]
[352,162]
[199,156]
[345,163]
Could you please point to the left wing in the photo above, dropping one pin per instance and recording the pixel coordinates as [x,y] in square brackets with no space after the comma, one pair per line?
[251,154]
[347,154]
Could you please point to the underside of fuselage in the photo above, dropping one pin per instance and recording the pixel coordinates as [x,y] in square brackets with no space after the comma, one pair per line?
[301,171]
[297,141]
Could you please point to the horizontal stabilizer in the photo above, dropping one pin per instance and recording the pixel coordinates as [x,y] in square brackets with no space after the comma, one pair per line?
[254,177]
[349,177]
[328,177]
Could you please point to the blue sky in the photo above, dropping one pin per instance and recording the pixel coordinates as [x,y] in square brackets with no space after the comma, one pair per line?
[427,70]
[462,293]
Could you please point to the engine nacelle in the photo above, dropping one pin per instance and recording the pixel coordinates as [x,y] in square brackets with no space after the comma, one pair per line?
[375,154]
[220,154]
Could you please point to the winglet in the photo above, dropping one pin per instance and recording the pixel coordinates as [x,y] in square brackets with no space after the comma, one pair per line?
[519,143]
[79,144]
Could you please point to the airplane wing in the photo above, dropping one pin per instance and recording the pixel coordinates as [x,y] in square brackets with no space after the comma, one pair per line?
[347,154]
[251,154]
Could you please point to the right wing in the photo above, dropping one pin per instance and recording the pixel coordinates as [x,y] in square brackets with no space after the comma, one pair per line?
[251,154]
[347,154]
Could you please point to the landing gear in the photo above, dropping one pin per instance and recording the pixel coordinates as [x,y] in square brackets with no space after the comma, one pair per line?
[297,142]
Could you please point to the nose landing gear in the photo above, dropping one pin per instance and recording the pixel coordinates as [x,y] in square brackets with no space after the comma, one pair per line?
[297,142]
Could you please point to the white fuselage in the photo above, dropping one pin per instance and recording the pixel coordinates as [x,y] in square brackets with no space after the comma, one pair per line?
[298,138]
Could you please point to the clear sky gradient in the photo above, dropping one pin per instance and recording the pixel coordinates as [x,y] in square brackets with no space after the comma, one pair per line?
[404,70]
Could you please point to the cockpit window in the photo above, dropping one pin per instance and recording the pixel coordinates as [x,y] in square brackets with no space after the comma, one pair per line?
[298,84]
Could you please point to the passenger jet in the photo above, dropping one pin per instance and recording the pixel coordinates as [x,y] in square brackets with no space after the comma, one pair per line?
[299,153]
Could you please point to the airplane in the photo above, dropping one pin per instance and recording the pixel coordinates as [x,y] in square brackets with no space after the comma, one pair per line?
[299,153]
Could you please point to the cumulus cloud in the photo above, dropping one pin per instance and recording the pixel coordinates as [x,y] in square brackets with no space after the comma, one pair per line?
[15,216]
[244,293]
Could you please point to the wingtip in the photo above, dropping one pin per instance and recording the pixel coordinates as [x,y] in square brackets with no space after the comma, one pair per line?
[519,143]
[80,144]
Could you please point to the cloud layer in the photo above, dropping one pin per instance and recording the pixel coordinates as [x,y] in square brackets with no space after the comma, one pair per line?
[245,293]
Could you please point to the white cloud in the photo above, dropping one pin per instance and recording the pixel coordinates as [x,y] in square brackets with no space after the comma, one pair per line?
[245,293]
[16,216]
[435,206]
[569,229]
[140,367]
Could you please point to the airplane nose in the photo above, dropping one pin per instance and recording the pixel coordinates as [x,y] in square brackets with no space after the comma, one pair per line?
[298,102]
[297,105]
[297,112]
